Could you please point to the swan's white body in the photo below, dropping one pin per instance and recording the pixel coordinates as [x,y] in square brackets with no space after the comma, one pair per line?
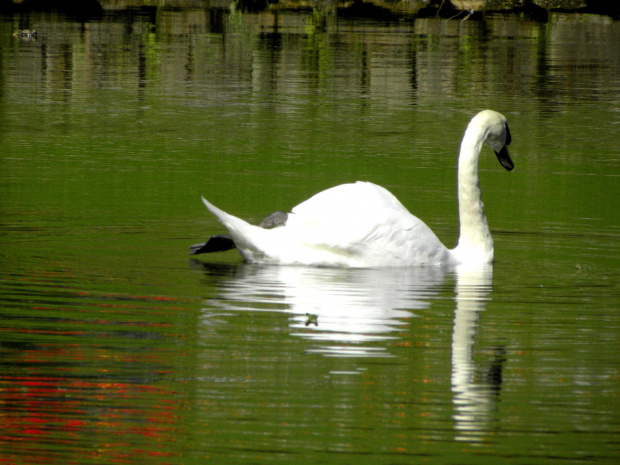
[364,225]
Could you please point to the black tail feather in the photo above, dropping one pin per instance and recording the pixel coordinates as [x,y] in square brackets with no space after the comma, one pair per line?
[218,243]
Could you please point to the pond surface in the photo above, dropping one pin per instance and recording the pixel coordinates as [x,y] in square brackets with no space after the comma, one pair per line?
[117,347]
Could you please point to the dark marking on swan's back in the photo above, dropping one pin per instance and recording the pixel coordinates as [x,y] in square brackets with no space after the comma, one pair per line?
[275,220]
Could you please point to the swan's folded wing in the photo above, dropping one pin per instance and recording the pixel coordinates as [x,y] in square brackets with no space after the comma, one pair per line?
[357,218]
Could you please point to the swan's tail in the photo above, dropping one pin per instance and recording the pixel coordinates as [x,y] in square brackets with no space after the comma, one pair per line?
[249,239]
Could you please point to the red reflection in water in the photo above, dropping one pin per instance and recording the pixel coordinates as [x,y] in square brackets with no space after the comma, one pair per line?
[73,389]
[116,422]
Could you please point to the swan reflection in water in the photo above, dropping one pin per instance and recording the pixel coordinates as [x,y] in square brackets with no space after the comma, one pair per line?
[343,308]
[475,386]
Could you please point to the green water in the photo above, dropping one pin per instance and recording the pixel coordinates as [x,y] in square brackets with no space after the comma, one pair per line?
[116,347]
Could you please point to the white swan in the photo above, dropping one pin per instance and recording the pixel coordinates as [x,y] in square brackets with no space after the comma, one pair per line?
[364,225]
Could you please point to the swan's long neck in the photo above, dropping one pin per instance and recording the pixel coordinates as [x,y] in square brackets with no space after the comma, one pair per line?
[475,241]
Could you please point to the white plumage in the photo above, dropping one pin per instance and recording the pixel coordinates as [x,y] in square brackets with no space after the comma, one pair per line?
[364,225]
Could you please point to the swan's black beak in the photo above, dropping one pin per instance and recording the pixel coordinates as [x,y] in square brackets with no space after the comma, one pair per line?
[504,158]
[502,155]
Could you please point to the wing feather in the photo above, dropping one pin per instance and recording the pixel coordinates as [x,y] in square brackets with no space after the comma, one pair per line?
[358,218]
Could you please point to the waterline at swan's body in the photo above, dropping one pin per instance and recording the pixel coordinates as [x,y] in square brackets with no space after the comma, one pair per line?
[364,225]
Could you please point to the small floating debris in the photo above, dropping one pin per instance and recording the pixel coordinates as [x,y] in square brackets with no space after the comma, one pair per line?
[26,34]
[312,319]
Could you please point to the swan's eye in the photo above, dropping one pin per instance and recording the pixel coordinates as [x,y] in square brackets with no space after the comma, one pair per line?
[508,138]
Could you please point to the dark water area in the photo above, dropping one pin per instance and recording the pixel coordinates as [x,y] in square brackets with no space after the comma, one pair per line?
[116,346]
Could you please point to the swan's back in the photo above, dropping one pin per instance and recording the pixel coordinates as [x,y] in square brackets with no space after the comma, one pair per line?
[357,225]
[371,224]
[347,216]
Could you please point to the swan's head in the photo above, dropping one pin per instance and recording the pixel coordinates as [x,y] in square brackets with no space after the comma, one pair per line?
[495,132]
